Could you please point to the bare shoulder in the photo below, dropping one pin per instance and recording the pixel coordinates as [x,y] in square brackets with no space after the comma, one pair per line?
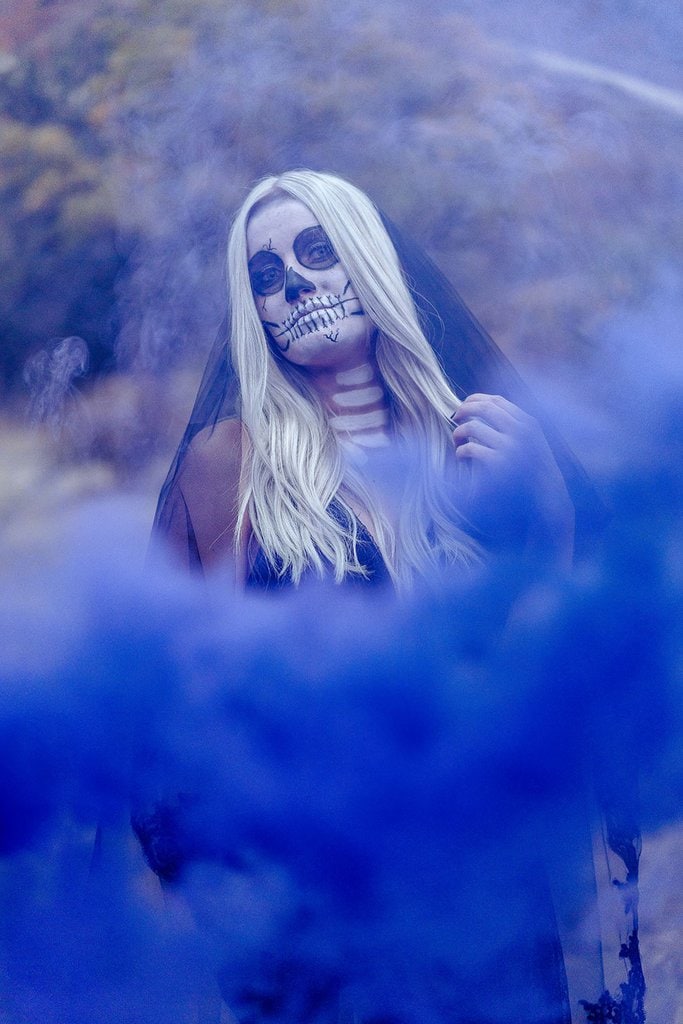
[216,451]
[217,439]
[209,480]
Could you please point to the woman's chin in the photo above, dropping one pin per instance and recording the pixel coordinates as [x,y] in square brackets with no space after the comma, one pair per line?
[328,351]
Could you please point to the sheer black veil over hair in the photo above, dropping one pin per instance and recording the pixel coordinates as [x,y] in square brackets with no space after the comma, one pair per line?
[471,361]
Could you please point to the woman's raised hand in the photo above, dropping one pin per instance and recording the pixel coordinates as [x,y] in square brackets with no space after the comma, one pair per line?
[515,485]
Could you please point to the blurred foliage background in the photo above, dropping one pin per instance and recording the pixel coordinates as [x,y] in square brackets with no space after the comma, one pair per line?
[547,187]
[130,129]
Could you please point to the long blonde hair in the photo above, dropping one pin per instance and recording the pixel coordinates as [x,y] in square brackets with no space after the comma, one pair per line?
[295,464]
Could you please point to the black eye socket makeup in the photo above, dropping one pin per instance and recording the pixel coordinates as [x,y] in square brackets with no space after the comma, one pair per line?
[312,249]
[266,273]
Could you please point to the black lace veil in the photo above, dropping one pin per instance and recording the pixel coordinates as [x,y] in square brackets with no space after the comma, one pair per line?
[471,360]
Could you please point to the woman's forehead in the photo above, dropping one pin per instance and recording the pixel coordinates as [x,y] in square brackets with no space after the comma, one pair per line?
[276,224]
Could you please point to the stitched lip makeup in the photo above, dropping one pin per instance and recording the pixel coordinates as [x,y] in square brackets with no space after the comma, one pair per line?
[332,305]
[314,314]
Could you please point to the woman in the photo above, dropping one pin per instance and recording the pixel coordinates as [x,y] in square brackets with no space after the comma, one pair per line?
[336,381]
[361,426]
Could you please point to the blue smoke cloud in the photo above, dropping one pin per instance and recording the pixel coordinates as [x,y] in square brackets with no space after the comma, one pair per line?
[343,795]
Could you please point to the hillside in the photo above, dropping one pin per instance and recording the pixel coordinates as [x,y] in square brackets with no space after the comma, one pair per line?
[129,130]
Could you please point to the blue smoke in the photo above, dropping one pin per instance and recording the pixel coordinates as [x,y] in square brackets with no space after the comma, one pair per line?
[343,794]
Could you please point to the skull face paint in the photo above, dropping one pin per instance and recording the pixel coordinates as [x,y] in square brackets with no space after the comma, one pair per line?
[303,295]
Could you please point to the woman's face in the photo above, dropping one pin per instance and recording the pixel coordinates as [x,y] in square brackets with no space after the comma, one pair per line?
[303,294]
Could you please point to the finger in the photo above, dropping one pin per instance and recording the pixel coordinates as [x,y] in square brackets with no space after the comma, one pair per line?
[492,402]
[495,401]
[498,418]
[478,452]
[502,436]
[481,432]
